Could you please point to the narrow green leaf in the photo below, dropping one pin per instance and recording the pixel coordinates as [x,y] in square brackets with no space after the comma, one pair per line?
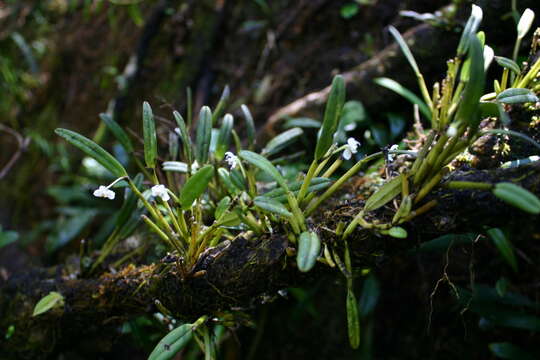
[263,164]
[195,186]
[222,207]
[93,150]
[150,139]
[370,295]
[468,108]
[175,166]
[397,232]
[334,106]
[282,140]
[404,49]
[302,123]
[517,96]
[272,206]
[309,247]
[227,182]
[406,93]
[204,135]
[504,246]
[517,196]
[221,104]
[509,351]
[184,136]
[118,132]
[54,299]
[353,319]
[317,183]
[224,136]
[250,125]
[384,194]
[470,29]
[174,145]
[7,237]
[508,64]
[172,343]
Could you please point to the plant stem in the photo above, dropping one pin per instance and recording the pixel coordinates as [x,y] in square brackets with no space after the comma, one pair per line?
[332,189]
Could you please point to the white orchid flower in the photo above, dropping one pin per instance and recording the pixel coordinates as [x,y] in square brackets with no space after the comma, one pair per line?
[350,148]
[160,191]
[104,192]
[392,156]
[231,159]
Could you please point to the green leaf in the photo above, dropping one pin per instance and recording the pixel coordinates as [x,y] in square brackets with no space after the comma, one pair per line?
[302,123]
[272,206]
[224,136]
[175,166]
[370,295]
[93,150]
[509,351]
[404,48]
[516,96]
[316,184]
[406,93]
[54,299]
[508,64]
[517,196]
[309,247]
[172,343]
[204,135]
[222,206]
[7,237]
[118,132]
[349,10]
[468,108]
[281,141]
[250,125]
[150,139]
[385,194]
[227,182]
[353,320]
[184,136]
[195,186]
[397,232]
[263,164]
[504,246]
[334,106]
[470,30]
[221,104]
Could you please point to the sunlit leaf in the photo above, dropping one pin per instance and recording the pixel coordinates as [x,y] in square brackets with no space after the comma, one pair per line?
[281,141]
[172,343]
[272,206]
[309,248]
[53,299]
[94,151]
[150,139]
[332,114]
[384,194]
[195,186]
[204,135]
[406,93]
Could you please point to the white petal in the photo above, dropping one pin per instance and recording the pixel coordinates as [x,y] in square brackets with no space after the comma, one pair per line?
[347,154]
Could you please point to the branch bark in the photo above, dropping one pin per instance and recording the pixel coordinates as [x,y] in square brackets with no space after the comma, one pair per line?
[235,274]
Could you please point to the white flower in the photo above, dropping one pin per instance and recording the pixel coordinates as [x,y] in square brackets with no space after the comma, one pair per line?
[231,159]
[160,191]
[392,156]
[351,148]
[104,192]
[194,167]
